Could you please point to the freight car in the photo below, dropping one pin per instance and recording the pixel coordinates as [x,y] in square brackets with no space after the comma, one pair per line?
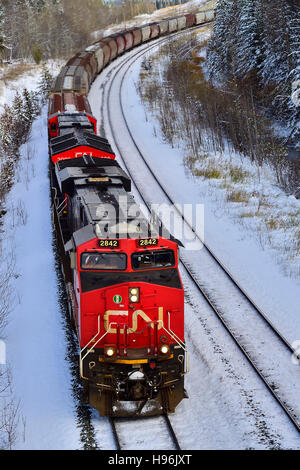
[125,295]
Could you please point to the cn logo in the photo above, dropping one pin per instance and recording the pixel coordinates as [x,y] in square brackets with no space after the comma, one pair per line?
[80,154]
[108,319]
[2,352]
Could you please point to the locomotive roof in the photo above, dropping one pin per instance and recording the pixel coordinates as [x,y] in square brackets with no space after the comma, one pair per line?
[75,134]
[103,189]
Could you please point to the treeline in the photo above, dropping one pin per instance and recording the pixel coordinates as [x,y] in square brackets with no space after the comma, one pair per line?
[258,42]
[46,29]
[15,126]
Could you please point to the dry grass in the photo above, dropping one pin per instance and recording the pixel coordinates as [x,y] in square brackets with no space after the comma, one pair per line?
[247,215]
[293,220]
[237,196]
[12,72]
[297,242]
[274,223]
[209,173]
[238,175]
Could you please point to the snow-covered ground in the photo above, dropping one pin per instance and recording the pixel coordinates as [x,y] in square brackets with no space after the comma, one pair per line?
[228,406]
[28,79]
[256,265]
[35,339]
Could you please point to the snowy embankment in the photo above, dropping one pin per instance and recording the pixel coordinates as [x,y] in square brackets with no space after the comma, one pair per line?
[29,79]
[35,340]
[228,407]
[36,346]
[239,242]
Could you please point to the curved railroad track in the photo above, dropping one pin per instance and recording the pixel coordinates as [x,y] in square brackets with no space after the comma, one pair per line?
[280,344]
[116,423]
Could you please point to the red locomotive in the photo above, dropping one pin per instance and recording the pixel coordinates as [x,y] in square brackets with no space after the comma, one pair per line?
[125,294]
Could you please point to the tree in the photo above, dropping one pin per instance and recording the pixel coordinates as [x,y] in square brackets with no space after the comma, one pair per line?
[220,47]
[258,40]
[248,34]
[2,35]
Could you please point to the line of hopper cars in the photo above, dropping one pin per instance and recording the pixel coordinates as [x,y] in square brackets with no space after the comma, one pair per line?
[80,71]
[125,294]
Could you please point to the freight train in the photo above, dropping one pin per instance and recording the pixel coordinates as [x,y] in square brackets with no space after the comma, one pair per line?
[125,294]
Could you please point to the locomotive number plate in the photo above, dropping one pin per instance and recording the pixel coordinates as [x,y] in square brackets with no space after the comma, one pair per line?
[99,180]
[148,242]
[109,243]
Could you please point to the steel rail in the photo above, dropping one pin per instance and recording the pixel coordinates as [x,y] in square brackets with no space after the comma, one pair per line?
[172,432]
[114,420]
[283,340]
[205,245]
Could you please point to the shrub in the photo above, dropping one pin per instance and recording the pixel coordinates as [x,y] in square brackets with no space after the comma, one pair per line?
[37,54]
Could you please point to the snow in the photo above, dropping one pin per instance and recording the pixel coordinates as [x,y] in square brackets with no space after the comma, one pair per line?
[29,80]
[36,343]
[256,266]
[229,407]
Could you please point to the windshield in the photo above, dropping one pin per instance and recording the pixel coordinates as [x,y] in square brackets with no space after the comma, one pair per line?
[104,261]
[153,259]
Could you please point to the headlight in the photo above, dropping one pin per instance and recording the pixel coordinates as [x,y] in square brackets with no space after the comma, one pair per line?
[134,295]
[109,351]
[164,349]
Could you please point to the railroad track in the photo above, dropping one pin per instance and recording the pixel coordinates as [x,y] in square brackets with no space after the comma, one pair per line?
[90,431]
[271,380]
[115,422]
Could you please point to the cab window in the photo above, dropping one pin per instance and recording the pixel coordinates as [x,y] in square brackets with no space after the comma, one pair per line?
[153,259]
[104,261]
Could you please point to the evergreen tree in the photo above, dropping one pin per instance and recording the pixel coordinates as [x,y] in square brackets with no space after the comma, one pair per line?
[219,49]
[30,107]
[2,35]
[248,38]
[19,128]
[45,84]
[259,40]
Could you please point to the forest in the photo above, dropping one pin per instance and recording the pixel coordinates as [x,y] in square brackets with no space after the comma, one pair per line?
[257,42]
[45,29]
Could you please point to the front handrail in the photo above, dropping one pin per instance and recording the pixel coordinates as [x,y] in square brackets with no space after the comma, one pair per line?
[180,343]
[158,322]
[81,359]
